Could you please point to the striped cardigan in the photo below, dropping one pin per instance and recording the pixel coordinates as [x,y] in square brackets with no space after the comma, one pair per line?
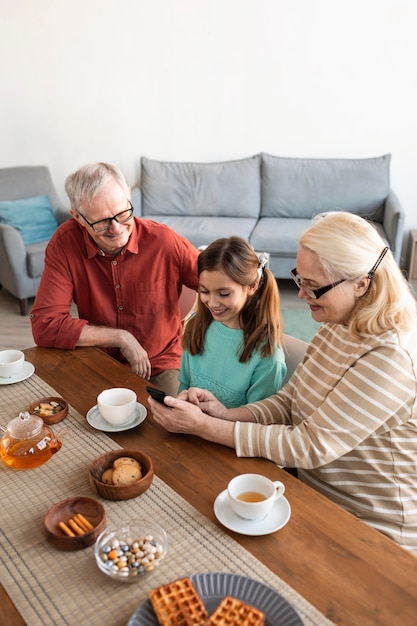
[348,420]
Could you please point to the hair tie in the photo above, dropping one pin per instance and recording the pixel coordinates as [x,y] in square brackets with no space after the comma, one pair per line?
[263,258]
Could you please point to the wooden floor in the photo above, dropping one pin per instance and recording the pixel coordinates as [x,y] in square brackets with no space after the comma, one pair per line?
[15,329]
[16,332]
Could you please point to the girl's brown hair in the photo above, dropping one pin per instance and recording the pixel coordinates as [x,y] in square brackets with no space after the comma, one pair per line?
[260,318]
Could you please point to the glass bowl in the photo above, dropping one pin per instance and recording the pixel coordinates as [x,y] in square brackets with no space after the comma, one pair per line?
[127,553]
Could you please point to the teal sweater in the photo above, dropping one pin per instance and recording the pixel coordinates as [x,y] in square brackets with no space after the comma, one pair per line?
[218,369]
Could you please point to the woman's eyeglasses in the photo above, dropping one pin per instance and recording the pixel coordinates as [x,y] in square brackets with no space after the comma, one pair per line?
[317,293]
[314,293]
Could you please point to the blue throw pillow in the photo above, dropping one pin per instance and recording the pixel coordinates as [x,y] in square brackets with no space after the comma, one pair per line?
[32,217]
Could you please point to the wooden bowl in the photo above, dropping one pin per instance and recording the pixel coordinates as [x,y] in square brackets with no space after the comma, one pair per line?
[48,417]
[120,492]
[90,508]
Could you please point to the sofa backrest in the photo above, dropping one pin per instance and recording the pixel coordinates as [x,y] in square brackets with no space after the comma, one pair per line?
[225,189]
[296,187]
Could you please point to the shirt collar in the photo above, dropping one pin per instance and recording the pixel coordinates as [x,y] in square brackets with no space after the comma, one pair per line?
[92,248]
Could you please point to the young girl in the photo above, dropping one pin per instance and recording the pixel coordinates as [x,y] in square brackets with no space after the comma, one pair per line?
[232,344]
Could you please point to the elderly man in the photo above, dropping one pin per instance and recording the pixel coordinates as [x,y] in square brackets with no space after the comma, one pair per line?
[125,275]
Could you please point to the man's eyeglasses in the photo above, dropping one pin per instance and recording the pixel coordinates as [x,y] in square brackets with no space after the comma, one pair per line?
[314,293]
[102,225]
[318,293]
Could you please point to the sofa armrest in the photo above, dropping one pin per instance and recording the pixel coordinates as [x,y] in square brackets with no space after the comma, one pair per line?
[393,223]
[12,252]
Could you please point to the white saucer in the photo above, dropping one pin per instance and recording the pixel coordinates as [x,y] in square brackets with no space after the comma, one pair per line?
[26,372]
[95,419]
[277,518]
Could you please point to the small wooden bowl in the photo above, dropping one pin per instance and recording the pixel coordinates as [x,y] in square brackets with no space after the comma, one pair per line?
[120,492]
[63,511]
[54,418]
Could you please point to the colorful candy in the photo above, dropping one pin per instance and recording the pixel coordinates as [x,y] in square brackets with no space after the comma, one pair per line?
[130,558]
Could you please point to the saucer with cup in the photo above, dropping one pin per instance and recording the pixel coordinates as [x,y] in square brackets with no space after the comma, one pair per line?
[117,409]
[253,504]
[13,367]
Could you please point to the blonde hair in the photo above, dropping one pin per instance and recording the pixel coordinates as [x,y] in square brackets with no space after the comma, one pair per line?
[348,247]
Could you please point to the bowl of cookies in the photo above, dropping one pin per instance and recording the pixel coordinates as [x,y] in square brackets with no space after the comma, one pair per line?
[121,474]
[51,409]
[127,553]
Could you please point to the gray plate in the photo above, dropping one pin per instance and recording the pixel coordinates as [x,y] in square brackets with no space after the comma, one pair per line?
[212,587]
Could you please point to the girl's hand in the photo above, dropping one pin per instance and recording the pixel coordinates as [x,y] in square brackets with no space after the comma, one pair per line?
[207,402]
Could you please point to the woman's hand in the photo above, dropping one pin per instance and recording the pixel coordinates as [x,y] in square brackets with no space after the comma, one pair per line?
[180,416]
[177,416]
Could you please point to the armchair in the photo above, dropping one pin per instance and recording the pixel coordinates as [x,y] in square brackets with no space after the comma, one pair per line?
[21,264]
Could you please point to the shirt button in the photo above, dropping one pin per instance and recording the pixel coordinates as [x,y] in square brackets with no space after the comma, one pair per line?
[114,262]
[121,307]
[117,286]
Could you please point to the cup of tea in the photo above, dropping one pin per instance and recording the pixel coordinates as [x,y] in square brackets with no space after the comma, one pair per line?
[252,496]
[11,363]
[117,405]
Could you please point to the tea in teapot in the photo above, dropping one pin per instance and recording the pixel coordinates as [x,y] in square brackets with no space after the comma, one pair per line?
[27,442]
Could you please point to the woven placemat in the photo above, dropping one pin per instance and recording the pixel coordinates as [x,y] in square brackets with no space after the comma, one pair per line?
[50,587]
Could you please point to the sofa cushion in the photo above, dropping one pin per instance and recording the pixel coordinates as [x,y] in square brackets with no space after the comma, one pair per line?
[203,230]
[279,235]
[302,188]
[32,217]
[228,189]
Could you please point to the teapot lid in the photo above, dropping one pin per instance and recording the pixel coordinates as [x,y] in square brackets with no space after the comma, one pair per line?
[25,426]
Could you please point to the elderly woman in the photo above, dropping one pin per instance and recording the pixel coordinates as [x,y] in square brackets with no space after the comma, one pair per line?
[347,419]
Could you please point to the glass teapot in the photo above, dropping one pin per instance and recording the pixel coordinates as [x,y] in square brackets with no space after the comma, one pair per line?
[27,442]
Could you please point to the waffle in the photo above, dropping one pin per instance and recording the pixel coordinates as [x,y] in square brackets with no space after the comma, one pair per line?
[178,604]
[233,612]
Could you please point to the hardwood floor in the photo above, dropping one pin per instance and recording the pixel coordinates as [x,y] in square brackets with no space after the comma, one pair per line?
[15,329]
[16,332]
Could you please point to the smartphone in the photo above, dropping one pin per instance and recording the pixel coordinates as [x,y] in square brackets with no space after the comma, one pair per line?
[157,394]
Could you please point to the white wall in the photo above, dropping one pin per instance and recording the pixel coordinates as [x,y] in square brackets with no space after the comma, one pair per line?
[202,80]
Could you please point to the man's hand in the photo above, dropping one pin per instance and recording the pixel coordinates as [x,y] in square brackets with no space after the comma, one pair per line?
[129,346]
[136,356]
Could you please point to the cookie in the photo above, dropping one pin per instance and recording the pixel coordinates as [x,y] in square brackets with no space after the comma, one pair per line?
[107,476]
[125,460]
[126,475]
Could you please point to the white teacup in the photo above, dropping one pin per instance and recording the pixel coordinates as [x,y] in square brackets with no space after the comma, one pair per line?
[252,496]
[117,405]
[11,363]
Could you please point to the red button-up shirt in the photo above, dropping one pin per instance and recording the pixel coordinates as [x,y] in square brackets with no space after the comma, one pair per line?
[137,290]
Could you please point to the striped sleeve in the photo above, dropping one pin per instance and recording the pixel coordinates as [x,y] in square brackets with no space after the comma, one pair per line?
[345,393]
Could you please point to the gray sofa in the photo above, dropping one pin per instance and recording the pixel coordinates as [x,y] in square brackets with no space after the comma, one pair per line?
[268,200]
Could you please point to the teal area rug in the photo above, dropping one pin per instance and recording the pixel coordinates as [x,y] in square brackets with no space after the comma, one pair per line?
[299,323]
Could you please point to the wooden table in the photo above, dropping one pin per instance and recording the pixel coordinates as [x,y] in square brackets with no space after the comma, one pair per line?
[353,574]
